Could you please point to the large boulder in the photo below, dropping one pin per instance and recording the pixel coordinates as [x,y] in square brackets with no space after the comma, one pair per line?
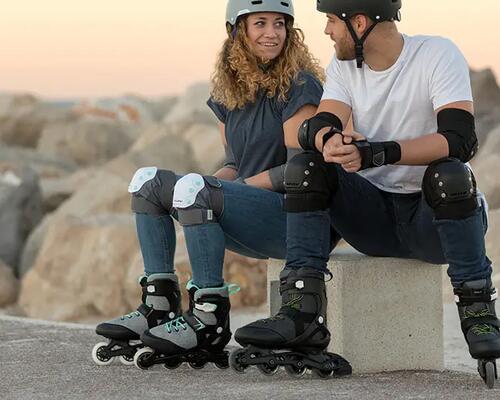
[88,142]
[207,146]
[486,102]
[85,276]
[486,171]
[23,117]
[492,248]
[9,285]
[191,108]
[20,208]
[45,165]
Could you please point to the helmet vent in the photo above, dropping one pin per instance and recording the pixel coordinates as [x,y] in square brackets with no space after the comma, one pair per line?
[285,4]
[255,2]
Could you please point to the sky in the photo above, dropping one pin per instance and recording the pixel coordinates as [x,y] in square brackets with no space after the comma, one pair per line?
[73,48]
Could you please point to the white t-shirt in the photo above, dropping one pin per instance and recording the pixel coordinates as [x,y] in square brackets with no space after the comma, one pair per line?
[400,102]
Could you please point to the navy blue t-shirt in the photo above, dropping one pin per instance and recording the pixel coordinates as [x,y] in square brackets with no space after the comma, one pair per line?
[255,134]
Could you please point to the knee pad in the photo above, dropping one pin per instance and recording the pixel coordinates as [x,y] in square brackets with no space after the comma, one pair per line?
[198,199]
[309,183]
[152,191]
[450,189]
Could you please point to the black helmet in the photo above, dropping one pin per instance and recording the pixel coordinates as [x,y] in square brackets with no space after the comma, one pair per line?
[377,10]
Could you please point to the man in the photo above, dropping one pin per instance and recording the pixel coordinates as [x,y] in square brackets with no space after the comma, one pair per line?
[397,186]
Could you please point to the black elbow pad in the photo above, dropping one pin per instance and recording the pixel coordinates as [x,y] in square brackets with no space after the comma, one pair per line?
[458,127]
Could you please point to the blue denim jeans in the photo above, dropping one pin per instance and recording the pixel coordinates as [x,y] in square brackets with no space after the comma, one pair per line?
[383,224]
[252,223]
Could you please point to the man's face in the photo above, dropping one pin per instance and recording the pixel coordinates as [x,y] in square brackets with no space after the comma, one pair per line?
[340,35]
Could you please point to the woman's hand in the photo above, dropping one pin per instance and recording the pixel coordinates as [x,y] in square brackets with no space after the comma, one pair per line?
[339,150]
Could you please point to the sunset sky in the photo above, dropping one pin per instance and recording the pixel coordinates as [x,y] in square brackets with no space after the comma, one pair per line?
[64,48]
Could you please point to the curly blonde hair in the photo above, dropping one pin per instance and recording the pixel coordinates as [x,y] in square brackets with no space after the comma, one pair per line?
[238,77]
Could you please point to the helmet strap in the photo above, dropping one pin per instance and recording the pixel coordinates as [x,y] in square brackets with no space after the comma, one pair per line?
[359,42]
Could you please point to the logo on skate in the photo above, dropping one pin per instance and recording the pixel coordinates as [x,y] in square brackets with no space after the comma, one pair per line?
[294,302]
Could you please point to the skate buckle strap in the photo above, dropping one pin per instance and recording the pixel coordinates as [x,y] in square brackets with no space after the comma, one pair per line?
[233,288]
[476,296]
[206,307]
[145,310]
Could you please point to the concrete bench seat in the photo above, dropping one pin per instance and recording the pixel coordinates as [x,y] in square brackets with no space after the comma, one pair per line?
[384,314]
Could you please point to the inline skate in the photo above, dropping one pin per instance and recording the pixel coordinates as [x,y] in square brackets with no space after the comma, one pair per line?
[197,337]
[160,302]
[480,325]
[297,336]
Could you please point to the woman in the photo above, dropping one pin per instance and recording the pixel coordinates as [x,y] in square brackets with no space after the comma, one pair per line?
[266,83]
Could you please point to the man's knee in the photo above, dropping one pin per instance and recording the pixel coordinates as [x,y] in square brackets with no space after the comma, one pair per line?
[309,183]
[198,199]
[449,188]
[152,191]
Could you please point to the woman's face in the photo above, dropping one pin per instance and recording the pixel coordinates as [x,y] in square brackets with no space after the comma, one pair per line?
[266,33]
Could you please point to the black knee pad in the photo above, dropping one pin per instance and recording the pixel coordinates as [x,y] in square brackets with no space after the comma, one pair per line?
[309,183]
[450,189]
[198,199]
[152,191]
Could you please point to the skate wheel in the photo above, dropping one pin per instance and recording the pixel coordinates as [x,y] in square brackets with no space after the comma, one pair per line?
[267,369]
[172,364]
[222,364]
[234,361]
[100,354]
[292,370]
[127,360]
[323,374]
[490,374]
[196,364]
[141,358]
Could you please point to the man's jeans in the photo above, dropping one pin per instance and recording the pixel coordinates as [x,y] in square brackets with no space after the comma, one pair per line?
[379,223]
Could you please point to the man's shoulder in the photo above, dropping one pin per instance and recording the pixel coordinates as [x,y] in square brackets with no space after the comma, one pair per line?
[431,44]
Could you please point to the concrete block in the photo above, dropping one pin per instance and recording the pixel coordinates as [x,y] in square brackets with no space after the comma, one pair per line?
[384,314]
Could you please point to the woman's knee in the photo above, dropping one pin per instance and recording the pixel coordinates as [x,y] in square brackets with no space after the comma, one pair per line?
[152,191]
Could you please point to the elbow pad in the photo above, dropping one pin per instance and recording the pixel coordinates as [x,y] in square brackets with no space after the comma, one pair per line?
[310,128]
[458,127]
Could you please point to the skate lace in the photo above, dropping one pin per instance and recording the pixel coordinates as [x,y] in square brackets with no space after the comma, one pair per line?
[176,324]
[131,315]
[480,329]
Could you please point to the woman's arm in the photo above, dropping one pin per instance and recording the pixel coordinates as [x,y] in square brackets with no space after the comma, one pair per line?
[229,172]
[290,129]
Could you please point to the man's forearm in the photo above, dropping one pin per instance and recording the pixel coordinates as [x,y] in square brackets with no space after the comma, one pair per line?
[423,150]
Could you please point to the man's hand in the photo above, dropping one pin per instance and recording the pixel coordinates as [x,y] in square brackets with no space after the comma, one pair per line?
[339,150]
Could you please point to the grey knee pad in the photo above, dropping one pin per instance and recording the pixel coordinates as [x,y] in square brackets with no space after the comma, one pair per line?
[198,199]
[152,191]
[309,183]
[450,190]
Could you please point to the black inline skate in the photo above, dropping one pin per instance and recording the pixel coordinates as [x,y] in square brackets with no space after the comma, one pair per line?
[480,325]
[297,336]
[161,300]
[197,337]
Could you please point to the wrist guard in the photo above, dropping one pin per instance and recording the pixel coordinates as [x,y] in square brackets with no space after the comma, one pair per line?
[310,128]
[376,154]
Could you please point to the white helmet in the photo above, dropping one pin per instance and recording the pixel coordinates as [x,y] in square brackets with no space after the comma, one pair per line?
[238,8]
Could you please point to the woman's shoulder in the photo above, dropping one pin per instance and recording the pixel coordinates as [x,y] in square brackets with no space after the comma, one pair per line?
[306,82]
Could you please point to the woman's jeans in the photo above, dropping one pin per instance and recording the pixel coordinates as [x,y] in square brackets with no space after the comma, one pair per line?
[252,224]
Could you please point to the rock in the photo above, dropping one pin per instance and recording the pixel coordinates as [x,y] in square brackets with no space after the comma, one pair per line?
[88,142]
[150,134]
[486,171]
[486,95]
[45,165]
[23,117]
[492,248]
[207,146]
[162,106]
[32,245]
[491,144]
[9,285]
[20,208]
[191,108]
[86,276]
